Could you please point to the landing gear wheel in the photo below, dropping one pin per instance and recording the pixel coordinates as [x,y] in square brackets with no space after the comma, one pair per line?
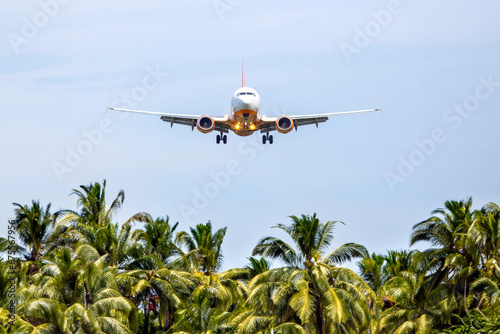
[217,139]
[264,139]
[270,139]
[224,139]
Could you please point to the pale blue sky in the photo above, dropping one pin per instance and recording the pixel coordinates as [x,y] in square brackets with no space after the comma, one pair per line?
[426,57]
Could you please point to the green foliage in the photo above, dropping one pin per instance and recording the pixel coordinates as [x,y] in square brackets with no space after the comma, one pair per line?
[311,291]
[79,271]
[475,323]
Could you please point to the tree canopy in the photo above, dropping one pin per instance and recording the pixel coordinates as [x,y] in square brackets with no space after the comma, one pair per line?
[80,271]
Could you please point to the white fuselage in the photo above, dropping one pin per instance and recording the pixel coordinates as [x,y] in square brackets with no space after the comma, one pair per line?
[245,105]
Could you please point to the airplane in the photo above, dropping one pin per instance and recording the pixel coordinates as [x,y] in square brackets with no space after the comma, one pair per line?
[245,117]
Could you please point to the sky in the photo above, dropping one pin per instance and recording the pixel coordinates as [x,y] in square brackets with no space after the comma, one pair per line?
[435,66]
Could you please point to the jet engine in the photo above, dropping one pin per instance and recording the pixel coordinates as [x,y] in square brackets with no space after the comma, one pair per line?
[205,124]
[284,124]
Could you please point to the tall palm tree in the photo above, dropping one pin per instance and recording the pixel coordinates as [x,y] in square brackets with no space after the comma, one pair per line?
[94,211]
[328,300]
[311,285]
[33,225]
[92,202]
[483,273]
[455,257]
[155,237]
[217,294]
[93,223]
[214,304]
[446,230]
[485,232]
[311,238]
[203,248]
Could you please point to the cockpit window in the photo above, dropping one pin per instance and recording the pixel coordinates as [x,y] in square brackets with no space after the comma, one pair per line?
[245,93]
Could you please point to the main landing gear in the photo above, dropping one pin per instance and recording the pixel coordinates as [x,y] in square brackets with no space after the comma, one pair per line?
[221,137]
[267,137]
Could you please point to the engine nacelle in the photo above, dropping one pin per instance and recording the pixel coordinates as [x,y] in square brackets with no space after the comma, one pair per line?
[284,124]
[205,124]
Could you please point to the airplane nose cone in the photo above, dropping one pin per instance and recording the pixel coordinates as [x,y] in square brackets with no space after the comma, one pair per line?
[246,102]
[247,98]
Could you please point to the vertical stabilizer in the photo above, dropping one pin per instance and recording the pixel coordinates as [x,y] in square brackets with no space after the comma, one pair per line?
[242,73]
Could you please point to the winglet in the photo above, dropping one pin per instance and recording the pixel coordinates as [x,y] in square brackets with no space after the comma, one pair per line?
[242,73]
[381,103]
[107,105]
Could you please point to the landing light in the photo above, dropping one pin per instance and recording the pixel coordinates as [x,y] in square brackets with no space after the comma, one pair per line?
[252,127]
[237,126]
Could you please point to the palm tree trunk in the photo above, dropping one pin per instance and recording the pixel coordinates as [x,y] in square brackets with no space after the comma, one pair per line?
[465,297]
[35,255]
[145,329]
[168,322]
[87,295]
[319,316]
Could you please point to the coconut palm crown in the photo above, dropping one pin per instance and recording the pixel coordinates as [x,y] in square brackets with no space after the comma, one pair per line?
[312,239]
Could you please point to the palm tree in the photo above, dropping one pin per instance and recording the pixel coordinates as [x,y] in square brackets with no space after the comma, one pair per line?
[44,315]
[446,230]
[397,262]
[8,279]
[159,290]
[100,306]
[93,208]
[319,293]
[199,317]
[485,232]
[483,272]
[311,239]
[455,257]
[258,266]
[204,248]
[415,309]
[370,268]
[332,298]
[61,276]
[155,237]
[215,304]
[217,295]
[93,223]
[33,225]
[74,292]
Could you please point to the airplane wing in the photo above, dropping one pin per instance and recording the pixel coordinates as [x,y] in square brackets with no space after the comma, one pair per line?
[300,120]
[221,123]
